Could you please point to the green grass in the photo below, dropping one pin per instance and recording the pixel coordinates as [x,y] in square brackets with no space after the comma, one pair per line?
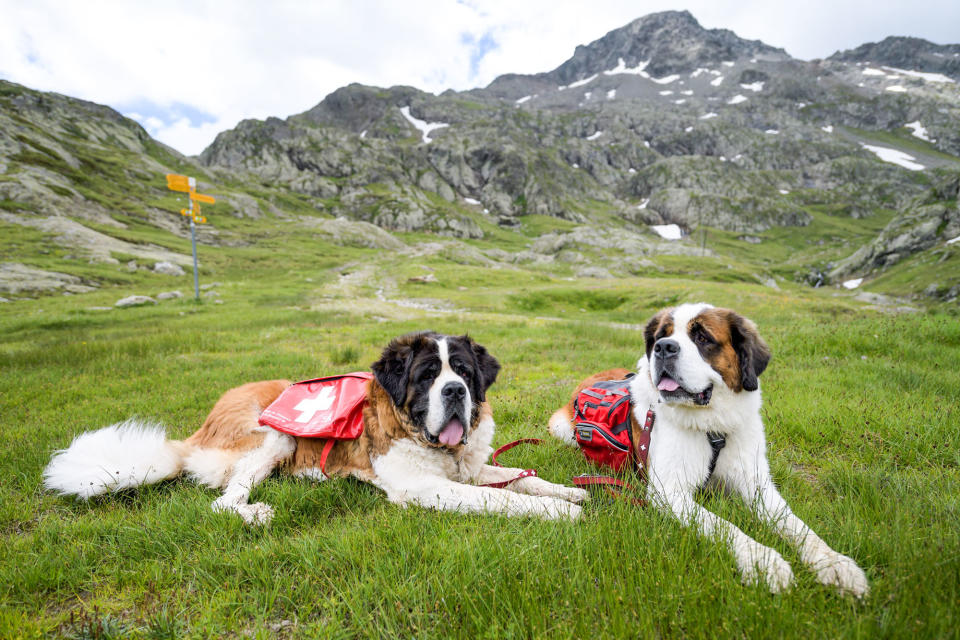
[860,410]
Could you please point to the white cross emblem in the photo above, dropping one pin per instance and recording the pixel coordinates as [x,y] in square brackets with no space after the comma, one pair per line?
[643,447]
[309,406]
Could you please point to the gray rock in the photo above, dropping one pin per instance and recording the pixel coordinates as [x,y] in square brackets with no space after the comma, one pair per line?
[594,272]
[168,268]
[134,301]
[169,295]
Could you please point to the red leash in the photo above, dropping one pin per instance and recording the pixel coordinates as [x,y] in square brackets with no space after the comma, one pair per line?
[613,486]
[526,473]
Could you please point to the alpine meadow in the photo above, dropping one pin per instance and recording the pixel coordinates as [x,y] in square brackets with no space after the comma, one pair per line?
[548,216]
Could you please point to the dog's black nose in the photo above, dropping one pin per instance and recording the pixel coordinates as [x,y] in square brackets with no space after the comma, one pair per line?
[666,348]
[453,391]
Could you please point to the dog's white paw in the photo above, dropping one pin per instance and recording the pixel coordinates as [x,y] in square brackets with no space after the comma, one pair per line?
[573,494]
[557,509]
[842,572]
[257,513]
[764,563]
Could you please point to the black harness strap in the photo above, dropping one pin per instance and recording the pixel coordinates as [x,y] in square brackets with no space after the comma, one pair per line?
[717,442]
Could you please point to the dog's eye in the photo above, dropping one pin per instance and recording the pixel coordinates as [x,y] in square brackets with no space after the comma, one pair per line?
[701,339]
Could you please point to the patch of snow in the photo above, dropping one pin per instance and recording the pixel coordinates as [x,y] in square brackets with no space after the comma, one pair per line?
[737,99]
[897,88]
[622,68]
[688,92]
[486,210]
[363,134]
[424,126]
[646,143]
[869,71]
[753,86]
[926,77]
[666,92]
[894,156]
[723,158]
[728,63]
[632,170]
[801,105]
[680,101]
[699,71]
[586,95]
[666,79]
[667,231]
[852,284]
[783,192]
[737,157]
[753,61]
[707,116]
[957,239]
[918,130]
[575,165]
[471,201]
[578,83]
[643,205]
[716,81]
[611,94]
[828,128]
[688,129]
[773,132]
[594,136]
[522,100]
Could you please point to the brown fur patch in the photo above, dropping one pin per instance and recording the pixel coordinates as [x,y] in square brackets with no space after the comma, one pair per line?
[721,355]
[660,325]
[233,419]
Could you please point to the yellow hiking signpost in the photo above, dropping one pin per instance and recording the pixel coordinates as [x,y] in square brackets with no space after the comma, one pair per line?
[188,185]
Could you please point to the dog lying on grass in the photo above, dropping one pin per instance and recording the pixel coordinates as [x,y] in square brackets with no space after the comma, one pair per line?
[427,430]
[699,378]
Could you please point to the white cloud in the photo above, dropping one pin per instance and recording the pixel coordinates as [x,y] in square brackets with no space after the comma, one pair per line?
[247,59]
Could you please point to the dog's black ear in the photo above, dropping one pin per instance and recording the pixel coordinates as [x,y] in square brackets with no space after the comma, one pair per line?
[487,369]
[650,331]
[392,370]
[753,353]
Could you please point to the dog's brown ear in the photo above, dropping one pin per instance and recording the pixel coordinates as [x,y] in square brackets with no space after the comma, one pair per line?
[753,354]
[650,332]
[487,369]
[392,370]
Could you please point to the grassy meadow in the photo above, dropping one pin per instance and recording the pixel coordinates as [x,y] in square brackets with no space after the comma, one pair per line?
[860,406]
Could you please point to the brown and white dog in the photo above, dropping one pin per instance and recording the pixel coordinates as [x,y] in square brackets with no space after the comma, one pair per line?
[700,375]
[426,440]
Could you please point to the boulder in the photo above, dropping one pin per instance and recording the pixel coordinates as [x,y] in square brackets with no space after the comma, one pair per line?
[134,301]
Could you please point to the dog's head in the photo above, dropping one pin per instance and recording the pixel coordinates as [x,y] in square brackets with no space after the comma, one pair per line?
[695,346]
[438,382]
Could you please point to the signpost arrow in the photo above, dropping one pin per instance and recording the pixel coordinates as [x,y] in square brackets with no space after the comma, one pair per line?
[176,182]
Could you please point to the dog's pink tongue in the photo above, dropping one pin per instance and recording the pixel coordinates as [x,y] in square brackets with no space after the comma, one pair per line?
[667,384]
[452,434]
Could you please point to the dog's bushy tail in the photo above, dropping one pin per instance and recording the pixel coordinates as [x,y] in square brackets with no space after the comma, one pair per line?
[121,456]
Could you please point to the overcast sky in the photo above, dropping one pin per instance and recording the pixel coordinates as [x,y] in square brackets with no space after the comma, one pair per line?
[187,70]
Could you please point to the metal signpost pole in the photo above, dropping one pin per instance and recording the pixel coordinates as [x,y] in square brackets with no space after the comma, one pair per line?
[196,276]
[177,182]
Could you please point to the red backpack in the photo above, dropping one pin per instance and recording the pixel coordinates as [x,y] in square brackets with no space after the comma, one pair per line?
[603,429]
[329,408]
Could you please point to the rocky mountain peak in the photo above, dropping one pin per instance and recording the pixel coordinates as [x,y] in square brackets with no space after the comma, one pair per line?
[668,41]
[907,53]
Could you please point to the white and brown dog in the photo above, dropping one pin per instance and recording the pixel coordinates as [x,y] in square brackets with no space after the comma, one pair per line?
[699,376]
[426,441]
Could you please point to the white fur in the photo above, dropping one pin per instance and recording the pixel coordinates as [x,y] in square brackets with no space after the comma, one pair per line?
[679,459]
[121,456]
[250,470]
[432,477]
[435,415]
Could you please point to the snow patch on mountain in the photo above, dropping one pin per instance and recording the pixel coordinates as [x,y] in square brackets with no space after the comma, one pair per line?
[578,83]
[737,99]
[424,126]
[918,130]
[894,156]
[667,231]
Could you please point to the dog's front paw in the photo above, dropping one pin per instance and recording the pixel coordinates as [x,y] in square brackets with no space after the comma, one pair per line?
[573,494]
[842,572]
[557,509]
[761,562]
